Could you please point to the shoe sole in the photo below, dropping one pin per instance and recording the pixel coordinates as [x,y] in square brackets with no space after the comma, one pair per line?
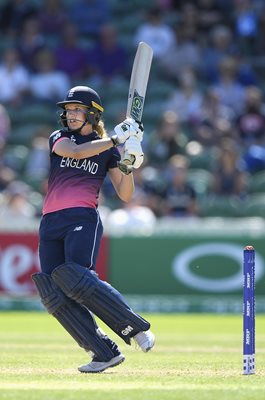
[115,363]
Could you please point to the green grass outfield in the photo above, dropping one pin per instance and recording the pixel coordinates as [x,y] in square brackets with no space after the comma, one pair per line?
[197,356]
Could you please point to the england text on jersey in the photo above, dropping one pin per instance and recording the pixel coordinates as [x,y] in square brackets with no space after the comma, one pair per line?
[85,164]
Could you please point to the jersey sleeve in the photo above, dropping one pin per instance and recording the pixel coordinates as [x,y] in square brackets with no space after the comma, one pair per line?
[56,137]
[114,159]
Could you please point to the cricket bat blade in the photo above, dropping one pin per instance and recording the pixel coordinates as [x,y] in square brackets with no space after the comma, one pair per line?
[138,85]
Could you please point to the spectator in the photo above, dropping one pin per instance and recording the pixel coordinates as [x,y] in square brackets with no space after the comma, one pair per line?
[37,165]
[253,159]
[189,15]
[7,175]
[30,41]
[246,26]
[156,33]
[185,52]
[70,56]
[187,98]
[229,177]
[52,18]
[150,188]
[221,44]
[107,60]
[180,197]
[251,122]
[209,15]
[134,216]
[250,129]
[166,140]
[89,16]
[13,15]
[231,93]
[213,121]
[14,79]
[47,83]
[165,5]
[17,205]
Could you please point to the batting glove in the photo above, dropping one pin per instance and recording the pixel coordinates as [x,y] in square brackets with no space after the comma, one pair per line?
[129,127]
[134,149]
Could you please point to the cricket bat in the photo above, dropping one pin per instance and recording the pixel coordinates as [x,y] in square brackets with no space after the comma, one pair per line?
[138,85]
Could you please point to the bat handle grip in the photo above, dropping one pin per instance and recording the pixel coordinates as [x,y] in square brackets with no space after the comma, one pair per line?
[128,159]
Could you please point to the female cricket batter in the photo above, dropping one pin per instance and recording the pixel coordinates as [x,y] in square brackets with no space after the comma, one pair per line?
[81,155]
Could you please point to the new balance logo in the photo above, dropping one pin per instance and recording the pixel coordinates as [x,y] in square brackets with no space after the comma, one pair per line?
[78,228]
[127,330]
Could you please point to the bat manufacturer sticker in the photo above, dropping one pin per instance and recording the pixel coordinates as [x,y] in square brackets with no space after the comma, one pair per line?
[137,106]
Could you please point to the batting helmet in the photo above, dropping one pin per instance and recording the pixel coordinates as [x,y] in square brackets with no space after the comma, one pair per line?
[87,97]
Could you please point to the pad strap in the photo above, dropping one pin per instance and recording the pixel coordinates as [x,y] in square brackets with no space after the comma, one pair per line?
[83,286]
[76,319]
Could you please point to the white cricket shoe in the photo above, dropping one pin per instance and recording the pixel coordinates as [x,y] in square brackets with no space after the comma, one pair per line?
[99,366]
[145,339]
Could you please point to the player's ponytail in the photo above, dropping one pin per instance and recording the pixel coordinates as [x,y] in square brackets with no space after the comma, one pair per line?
[100,128]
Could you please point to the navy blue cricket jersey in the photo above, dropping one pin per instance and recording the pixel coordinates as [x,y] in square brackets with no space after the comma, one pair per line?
[73,182]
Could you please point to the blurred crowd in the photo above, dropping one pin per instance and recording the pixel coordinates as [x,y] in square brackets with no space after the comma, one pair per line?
[205,112]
